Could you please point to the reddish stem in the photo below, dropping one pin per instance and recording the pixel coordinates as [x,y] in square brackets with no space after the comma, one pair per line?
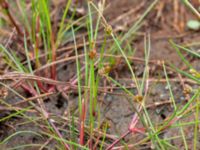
[46,114]
[118,140]
[131,129]
[58,133]
[28,89]
[82,115]
[36,52]
[5,5]
[41,86]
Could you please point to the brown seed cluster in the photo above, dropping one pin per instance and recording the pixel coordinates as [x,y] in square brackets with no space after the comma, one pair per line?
[138,98]
[92,54]
[105,70]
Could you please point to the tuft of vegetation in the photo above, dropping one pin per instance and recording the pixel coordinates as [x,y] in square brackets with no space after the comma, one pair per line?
[44,106]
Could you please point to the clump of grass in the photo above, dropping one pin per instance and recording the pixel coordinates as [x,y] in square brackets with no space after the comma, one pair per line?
[85,130]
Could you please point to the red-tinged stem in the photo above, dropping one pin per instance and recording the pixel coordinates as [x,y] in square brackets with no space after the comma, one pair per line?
[36,52]
[135,119]
[46,114]
[5,5]
[58,133]
[138,130]
[41,86]
[131,129]
[53,67]
[133,122]
[118,140]
[82,133]
[28,89]
[83,114]
[170,123]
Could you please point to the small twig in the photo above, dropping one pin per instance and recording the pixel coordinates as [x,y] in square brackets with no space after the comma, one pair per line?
[118,140]
[187,3]
[33,98]
[17,75]
[131,11]
[58,133]
[176,19]
[2,108]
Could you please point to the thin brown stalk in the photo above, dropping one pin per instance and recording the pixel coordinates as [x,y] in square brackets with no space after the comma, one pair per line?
[33,98]
[45,114]
[53,67]
[25,76]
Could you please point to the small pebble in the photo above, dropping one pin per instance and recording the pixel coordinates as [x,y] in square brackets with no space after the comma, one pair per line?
[182,98]
[166,87]
[193,25]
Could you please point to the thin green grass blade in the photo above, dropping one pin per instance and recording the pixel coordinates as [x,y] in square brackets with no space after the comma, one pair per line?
[127,61]
[59,35]
[170,89]
[66,141]
[4,50]
[27,146]
[78,73]
[183,137]
[17,133]
[180,54]
[196,127]
[186,74]
[187,50]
